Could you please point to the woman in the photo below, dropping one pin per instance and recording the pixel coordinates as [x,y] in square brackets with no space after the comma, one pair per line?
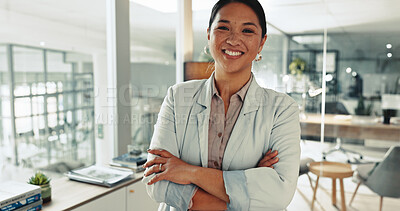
[216,140]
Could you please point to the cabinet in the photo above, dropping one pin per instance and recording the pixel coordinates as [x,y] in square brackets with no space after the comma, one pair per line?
[115,200]
[130,198]
[130,195]
[137,198]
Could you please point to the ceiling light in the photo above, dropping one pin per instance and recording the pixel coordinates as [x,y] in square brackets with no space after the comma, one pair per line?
[348,70]
[354,74]
[42,43]
[388,46]
[308,39]
[389,55]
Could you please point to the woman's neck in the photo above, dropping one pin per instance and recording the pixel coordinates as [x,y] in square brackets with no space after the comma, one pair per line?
[228,84]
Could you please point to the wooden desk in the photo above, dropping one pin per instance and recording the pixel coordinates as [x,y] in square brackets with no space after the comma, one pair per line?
[342,126]
[69,195]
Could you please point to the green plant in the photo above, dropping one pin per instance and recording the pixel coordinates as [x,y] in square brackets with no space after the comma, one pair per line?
[39,179]
[361,109]
[297,66]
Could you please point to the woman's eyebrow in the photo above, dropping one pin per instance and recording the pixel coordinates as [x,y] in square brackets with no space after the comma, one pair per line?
[223,21]
[246,24]
[251,24]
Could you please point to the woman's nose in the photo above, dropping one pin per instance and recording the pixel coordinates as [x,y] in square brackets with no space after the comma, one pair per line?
[233,39]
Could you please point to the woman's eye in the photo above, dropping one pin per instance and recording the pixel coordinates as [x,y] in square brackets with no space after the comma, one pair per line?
[223,28]
[248,31]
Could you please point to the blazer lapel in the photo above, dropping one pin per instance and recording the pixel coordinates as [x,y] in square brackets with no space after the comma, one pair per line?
[242,125]
[204,100]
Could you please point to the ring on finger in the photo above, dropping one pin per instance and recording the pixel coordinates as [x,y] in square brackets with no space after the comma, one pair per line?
[159,167]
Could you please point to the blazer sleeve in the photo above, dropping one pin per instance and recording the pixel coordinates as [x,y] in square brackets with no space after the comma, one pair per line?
[164,137]
[267,188]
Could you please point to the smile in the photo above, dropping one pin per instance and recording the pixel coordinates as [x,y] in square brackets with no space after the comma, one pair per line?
[233,53]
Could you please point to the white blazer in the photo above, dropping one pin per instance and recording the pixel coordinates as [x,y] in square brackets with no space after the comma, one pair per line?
[268,120]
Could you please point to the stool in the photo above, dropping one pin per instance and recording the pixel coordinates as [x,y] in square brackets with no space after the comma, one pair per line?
[332,170]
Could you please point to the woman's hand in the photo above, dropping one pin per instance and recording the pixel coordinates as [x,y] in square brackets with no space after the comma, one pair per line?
[269,159]
[168,167]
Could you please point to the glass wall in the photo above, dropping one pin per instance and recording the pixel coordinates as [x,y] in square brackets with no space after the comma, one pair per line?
[5,110]
[368,67]
[360,69]
[153,63]
[51,107]
[304,79]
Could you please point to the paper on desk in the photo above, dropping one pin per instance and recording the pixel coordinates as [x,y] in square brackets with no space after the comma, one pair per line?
[99,175]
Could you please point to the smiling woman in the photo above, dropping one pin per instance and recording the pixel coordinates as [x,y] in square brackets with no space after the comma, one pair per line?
[216,142]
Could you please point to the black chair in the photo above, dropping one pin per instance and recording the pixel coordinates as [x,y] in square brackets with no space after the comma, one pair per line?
[338,108]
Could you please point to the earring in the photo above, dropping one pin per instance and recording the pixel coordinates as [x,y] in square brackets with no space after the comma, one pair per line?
[205,50]
[259,57]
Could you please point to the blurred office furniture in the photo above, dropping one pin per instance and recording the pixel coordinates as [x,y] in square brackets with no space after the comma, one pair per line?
[390,103]
[333,170]
[338,108]
[343,127]
[198,70]
[382,178]
[304,168]
[397,87]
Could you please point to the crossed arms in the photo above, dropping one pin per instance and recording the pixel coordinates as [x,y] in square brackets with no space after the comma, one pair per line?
[261,187]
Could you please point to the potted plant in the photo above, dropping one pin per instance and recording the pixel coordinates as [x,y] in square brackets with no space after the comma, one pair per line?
[361,109]
[297,80]
[297,67]
[43,181]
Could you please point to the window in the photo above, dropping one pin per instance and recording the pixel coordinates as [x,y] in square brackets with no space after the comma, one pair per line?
[53,107]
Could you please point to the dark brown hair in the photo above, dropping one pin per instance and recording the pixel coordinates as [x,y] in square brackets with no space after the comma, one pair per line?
[253,4]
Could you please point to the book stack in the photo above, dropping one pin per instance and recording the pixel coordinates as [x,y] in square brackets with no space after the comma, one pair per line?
[133,163]
[18,196]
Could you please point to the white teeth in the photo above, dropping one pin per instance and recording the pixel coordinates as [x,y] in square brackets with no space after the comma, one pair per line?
[233,53]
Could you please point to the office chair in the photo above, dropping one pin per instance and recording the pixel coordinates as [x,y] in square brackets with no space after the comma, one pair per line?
[382,178]
[338,108]
[304,169]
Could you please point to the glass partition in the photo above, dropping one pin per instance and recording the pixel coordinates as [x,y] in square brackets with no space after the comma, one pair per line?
[5,112]
[360,69]
[152,63]
[367,68]
[44,134]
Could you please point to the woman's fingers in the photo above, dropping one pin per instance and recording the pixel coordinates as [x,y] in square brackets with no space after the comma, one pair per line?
[269,159]
[268,163]
[160,152]
[154,169]
[156,160]
[156,178]
[268,156]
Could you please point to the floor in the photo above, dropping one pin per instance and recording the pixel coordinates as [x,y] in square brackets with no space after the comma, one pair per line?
[365,199]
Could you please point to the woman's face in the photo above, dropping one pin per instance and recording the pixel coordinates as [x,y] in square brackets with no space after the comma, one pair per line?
[235,38]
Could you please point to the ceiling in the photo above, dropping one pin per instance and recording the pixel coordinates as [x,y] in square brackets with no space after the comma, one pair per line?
[374,19]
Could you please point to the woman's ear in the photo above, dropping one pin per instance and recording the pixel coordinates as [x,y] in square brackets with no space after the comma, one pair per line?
[208,33]
[262,43]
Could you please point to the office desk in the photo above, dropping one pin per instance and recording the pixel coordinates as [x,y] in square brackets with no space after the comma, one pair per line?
[342,126]
[78,196]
